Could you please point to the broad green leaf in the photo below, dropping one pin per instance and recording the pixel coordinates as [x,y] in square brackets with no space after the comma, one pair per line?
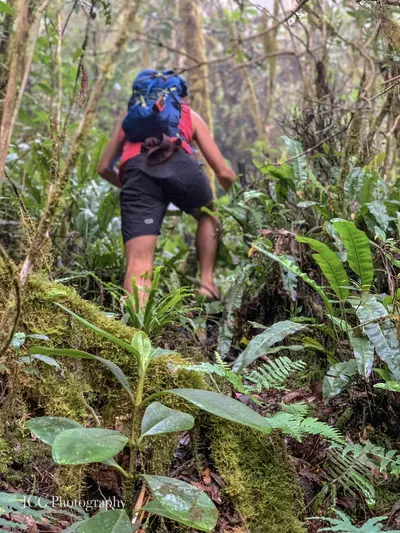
[74,528]
[87,445]
[290,265]
[160,419]
[380,330]
[393,386]
[364,355]
[378,209]
[337,378]
[142,345]
[299,164]
[179,501]
[78,354]
[367,180]
[46,428]
[223,406]
[114,521]
[101,332]
[331,266]
[233,302]
[358,251]
[260,344]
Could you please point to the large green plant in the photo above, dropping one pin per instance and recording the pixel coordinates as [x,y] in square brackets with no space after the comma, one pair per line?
[374,331]
[74,444]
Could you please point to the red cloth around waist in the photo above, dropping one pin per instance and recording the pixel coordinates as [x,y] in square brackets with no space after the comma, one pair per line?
[130,149]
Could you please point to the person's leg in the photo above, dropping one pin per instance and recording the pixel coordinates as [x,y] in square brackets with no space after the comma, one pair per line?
[142,211]
[188,188]
[207,238]
[139,263]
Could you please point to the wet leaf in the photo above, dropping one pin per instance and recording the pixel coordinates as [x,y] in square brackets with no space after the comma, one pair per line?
[225,407]
[87,445]
[380,330]
[160,419]
[260,344]
[46,428]
[114,521]
[181,502]
[142,346]
[393,386]
[331,266]
[337,378]
[358,251]
[364,355]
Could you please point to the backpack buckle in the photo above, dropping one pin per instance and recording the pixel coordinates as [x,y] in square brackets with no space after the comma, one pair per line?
[159,104]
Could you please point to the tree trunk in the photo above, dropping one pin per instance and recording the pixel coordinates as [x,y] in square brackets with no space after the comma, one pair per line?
[17,55]
[194,44]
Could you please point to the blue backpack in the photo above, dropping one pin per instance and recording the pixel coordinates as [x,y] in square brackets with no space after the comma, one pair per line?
[155,105]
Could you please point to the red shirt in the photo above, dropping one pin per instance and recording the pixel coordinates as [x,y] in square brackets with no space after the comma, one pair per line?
[130,149]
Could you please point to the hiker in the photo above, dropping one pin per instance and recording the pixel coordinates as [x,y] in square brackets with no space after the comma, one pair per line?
[157,168]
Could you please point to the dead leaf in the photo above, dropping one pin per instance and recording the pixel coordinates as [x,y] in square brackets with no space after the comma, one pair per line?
[206,476]
[212,490]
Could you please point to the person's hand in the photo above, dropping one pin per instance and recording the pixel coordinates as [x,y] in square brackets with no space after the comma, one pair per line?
[226,178]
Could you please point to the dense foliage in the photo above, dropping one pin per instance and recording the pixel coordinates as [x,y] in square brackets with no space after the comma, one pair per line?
[173,410]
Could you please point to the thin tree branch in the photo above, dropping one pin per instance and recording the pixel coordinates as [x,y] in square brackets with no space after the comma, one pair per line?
[12,310]
[278,53]
[274,26]
[320,143]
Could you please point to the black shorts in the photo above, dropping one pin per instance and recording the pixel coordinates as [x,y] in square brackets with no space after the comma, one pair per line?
[147,190]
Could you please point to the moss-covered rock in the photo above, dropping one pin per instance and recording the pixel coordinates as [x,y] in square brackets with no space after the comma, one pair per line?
[257,473]
[259,478]
[41,390]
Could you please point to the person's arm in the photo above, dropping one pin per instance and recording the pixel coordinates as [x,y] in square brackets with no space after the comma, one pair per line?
[210,150]
[111,151]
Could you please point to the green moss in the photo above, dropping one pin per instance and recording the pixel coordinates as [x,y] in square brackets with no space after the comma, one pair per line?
[5,456]
[258,475]
[69,482]
[386,496]
[259,478]
[23,461]
[344,419]
[47,392]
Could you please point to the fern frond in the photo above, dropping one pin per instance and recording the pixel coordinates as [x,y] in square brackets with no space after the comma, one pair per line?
[344,525]
[274,374]
[351,473]
[299,408]
[205,368]
[220,370]
[293,423]
[386,461]
[220,362]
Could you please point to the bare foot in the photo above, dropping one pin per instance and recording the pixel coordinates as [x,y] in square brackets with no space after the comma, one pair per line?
[210,291]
